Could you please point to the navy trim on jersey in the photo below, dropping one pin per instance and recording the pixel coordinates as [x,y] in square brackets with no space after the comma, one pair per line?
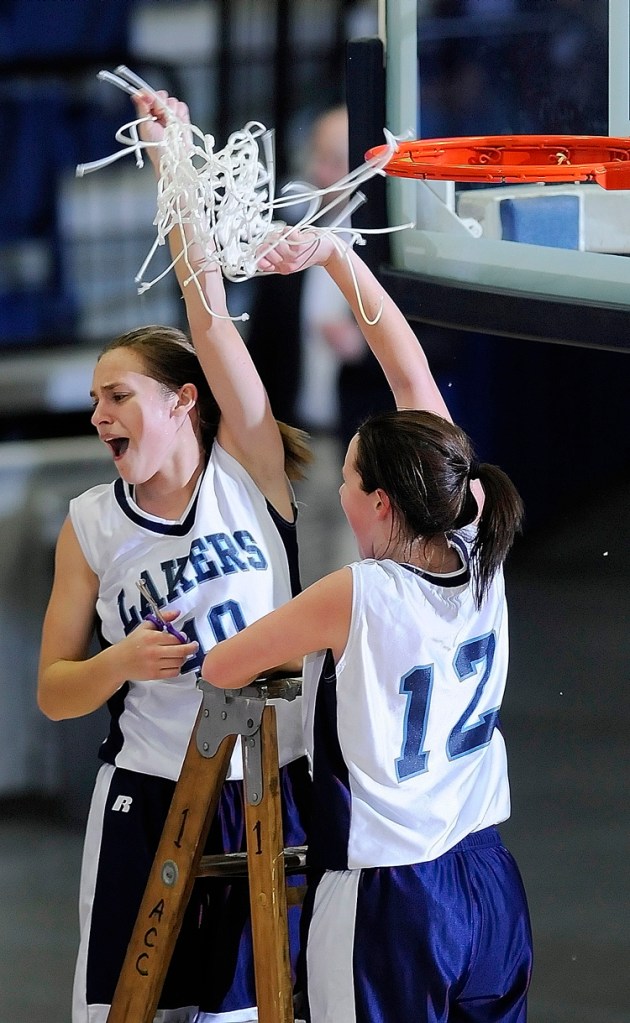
[459,578]
[287,530]
[112,745]
[328,846]
[288,535]
[464,551]
[163,528]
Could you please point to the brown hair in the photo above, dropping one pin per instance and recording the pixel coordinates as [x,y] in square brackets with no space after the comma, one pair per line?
[425,464]
[169,357]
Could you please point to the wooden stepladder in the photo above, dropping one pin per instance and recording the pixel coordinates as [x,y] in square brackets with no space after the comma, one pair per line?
[223,716]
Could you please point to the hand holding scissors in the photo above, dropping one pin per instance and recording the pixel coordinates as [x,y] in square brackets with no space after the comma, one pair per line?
[157,617]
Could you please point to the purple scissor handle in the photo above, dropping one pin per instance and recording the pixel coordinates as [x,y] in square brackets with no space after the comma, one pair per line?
[156,615]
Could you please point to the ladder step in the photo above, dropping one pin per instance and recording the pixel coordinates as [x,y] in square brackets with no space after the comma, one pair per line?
[235,864]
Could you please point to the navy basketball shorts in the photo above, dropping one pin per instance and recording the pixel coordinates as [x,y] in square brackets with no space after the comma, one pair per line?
[448,940]
[212,965]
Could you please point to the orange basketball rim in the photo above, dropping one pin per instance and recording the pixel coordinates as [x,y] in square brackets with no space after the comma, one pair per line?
[513,159]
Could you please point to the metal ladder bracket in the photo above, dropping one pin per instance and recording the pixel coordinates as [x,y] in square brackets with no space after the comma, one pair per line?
[227,712]
[235,712]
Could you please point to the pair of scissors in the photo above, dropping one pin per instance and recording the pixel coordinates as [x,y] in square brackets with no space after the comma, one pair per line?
[156,615]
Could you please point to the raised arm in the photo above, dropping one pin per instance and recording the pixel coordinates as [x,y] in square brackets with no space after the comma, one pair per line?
[391,339]
[247,427]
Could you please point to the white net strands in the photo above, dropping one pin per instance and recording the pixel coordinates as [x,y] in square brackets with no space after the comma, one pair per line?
[226,198]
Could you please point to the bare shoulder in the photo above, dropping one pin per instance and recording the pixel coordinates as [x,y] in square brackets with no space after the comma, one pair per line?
[328,604]
[336,585]
[69,618]
[69,556]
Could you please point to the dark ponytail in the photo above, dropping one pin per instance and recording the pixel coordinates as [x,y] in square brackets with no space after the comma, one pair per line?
[500,521]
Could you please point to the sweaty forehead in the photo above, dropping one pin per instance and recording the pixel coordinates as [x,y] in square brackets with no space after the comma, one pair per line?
[119,360]
[118,363]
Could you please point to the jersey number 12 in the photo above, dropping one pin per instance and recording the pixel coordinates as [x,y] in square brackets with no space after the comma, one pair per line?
[464,738]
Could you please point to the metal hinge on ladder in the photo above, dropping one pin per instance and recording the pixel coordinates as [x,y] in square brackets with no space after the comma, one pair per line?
[239,712]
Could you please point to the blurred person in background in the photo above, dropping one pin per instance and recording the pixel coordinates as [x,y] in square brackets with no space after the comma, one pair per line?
[319,372]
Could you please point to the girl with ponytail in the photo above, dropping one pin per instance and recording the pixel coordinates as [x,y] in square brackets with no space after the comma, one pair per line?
[415,908]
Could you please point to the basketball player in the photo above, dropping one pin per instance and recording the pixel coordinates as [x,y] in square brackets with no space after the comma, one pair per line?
[416,910]
[203,515]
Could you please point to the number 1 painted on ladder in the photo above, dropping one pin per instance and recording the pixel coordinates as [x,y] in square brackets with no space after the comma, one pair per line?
[258,832]
[178,840]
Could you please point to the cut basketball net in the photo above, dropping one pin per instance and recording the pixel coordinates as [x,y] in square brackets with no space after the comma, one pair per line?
[512,159]
[227,197]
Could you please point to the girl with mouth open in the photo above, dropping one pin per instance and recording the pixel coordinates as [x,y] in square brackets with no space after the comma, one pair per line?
[203,515]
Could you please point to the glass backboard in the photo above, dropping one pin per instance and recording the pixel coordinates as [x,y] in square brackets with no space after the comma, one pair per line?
[509,67]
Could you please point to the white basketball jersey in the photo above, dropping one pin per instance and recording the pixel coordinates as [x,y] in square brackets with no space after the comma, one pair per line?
[406,756]
[223,565]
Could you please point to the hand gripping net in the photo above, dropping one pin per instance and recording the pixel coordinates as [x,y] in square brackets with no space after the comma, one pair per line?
[227,197]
